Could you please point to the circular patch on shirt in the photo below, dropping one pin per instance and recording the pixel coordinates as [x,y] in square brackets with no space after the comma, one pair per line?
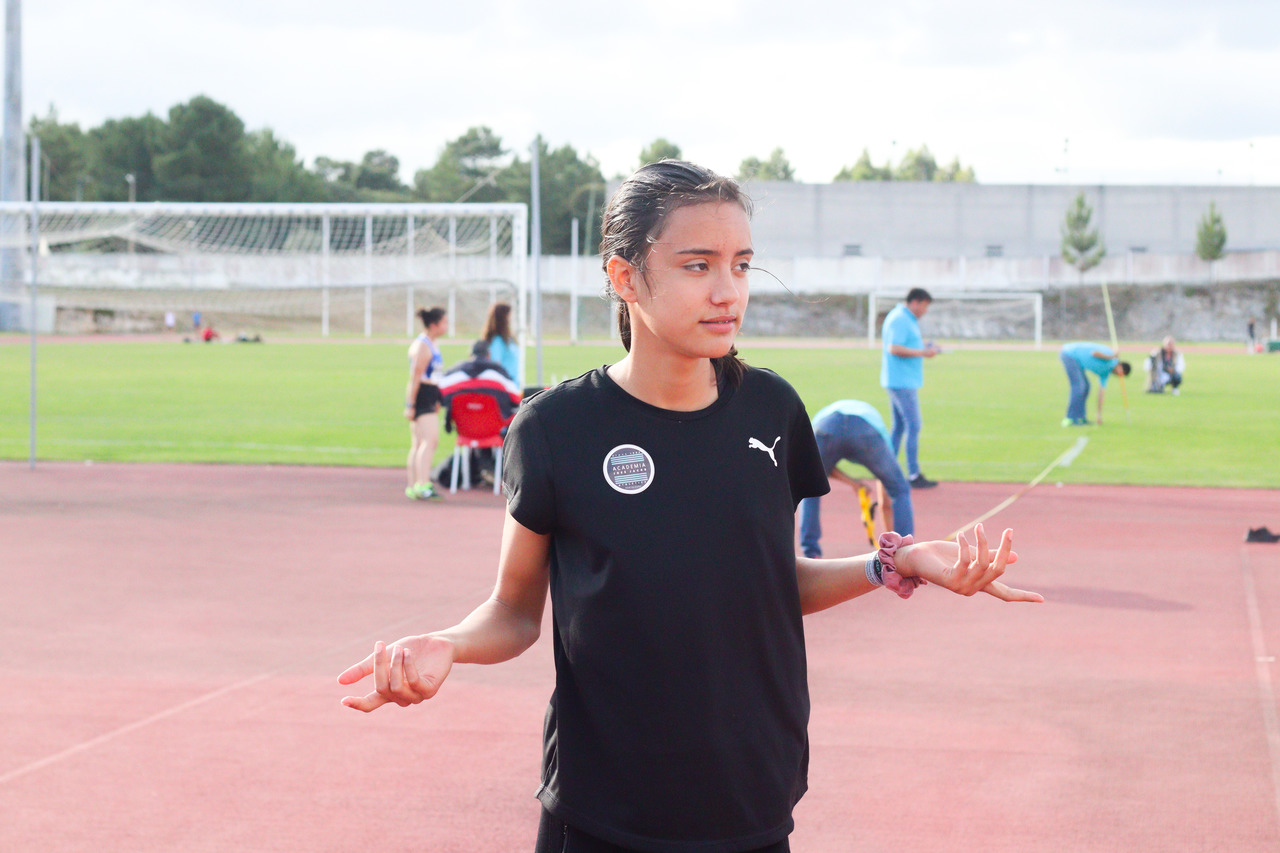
[628,469]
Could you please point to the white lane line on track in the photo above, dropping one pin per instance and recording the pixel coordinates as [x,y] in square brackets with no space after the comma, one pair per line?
[1064,459]
[1262,665]
[1075,450]
[84,746]
[128,727]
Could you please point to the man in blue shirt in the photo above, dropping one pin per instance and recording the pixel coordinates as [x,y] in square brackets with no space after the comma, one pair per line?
[1098,359]
[854,430]
[902,374]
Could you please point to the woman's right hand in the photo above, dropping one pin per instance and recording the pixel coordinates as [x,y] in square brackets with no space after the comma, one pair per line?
[407,672]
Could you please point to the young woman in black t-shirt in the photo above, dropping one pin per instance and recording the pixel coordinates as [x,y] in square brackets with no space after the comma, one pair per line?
[654,498]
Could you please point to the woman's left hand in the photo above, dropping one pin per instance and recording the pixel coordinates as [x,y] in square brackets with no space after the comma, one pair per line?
[963,568]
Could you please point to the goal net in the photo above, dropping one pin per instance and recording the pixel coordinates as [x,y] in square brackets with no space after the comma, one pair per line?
[302,268]
[967,314]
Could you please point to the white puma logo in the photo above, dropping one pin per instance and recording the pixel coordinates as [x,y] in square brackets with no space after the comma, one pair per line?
[757,444]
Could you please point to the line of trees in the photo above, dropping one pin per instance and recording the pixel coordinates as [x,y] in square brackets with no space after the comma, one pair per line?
[201,151]
[918,164]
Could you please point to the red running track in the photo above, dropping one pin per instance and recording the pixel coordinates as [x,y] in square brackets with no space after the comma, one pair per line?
[171,635]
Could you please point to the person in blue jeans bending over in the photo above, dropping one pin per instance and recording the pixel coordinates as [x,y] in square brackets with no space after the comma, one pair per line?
[902,374]
[1098,359]
[854,430]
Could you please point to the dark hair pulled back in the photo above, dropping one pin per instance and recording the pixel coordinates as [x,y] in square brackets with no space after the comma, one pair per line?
[431,316]
[637,213]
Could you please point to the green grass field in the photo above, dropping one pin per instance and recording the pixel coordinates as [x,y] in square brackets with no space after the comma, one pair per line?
[990,415]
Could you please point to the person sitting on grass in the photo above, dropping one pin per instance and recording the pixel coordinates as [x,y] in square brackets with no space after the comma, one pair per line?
[1164,368]
[854,430]
[1098,359]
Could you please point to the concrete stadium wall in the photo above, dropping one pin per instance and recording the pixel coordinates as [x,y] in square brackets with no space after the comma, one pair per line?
[943,220]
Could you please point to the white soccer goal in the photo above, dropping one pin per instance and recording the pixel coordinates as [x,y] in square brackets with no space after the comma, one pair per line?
[999,314]
[341,268]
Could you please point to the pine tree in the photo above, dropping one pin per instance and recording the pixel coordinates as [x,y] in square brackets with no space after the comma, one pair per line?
[1081,246]
[865,170]
[776,168]
[1211,235]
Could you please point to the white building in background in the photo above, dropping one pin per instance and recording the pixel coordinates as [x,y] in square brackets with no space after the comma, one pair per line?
[919,220]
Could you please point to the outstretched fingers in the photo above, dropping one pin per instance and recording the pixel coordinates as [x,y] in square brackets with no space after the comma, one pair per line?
[970,562]
[368,702]
[964,555]
[395,675]
[995,568]
[400,675]
[1005,555]
[381,667]
[352,674]
[404,682]
[375,665]
[976,566]
[1008,593]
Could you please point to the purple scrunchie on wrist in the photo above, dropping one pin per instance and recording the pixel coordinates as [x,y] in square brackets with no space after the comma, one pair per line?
[889,544]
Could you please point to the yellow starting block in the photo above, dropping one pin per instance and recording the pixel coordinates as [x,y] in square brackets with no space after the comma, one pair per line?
[868,514]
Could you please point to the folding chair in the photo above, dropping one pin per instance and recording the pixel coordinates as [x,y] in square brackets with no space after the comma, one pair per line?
[479,423]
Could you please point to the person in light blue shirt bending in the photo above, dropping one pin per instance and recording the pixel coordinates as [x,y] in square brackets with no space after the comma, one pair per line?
[902,374]
[854,430]
[1097,359]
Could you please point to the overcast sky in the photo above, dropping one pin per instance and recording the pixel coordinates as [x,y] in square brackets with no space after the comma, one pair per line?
[1126,91]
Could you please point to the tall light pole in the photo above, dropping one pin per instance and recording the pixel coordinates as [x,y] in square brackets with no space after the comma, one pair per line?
[12,152]
[11,173]
[535,199]
[1065,167]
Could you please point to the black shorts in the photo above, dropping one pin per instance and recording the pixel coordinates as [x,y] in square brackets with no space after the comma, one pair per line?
[428,400]
[556,836]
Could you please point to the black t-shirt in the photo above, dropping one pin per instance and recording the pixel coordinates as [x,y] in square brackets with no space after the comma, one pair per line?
[679,719]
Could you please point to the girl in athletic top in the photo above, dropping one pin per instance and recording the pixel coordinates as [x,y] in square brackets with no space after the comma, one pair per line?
[655,499]
[422,403]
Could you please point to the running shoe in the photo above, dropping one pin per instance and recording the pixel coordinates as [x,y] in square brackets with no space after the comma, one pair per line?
[427,492]
[920,481]
[1261,534]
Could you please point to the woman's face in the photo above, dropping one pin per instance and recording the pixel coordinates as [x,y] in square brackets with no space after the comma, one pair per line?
[693,294]
[437,329]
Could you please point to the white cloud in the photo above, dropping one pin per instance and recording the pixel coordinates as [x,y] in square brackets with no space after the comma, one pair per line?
[1145,90]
